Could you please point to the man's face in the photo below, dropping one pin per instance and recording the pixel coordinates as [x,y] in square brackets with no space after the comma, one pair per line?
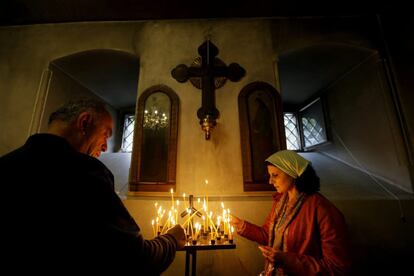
[98,134]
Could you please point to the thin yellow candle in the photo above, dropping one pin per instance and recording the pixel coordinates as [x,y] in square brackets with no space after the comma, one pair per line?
[172,197]
[190,217]
[153,229]
[192,230]
[168,223]
[204,224]
[197,228]
[231,233]
[211,222]
[224,220]
[228,220]
[185,203]
[206,181]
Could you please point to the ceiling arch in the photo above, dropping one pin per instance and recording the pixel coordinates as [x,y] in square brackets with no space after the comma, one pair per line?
[305,71]
[110,74]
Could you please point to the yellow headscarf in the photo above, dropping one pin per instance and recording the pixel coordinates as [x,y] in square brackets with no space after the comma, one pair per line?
[289,162]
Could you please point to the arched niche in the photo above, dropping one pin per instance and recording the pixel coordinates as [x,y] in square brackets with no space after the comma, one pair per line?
[154,154]
[106,74]
[261,132]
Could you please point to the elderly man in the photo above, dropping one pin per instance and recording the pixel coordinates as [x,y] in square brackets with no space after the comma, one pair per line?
[65,215]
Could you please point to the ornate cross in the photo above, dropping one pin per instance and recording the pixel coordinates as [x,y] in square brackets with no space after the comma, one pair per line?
[209,71]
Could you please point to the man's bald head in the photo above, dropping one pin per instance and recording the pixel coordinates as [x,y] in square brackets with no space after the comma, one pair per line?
[85,123]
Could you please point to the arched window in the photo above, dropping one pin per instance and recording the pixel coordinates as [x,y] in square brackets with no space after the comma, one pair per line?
[261,132]
[154,154]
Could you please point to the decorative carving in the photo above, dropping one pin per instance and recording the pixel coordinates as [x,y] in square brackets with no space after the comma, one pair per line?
[212,74]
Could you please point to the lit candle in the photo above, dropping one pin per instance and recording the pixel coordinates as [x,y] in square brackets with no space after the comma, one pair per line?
[228,220]
[225,221]
[172,197]
[170,217]
[197,230]
[211,222]
[153,228]
[191,215]
[204,223]
[206,181]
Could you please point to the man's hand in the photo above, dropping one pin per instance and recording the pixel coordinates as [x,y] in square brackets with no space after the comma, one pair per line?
[178,233]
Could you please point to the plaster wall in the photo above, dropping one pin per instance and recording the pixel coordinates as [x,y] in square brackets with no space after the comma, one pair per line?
[162,46]
[365,133]
[25,51]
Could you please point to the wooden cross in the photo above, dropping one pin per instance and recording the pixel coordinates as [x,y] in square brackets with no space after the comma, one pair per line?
[209,70]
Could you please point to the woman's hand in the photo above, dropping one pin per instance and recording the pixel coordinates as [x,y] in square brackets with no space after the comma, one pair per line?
[237,223]
[272,255]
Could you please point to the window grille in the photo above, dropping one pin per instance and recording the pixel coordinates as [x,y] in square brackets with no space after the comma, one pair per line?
[128,133]
[291,131]
[313,133]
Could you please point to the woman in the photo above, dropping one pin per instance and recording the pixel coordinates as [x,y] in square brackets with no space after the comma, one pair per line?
[304,234]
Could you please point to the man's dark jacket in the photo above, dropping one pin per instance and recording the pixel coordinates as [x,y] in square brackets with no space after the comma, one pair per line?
[60,214]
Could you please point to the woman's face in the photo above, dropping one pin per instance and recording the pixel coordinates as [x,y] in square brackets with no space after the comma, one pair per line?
[280,180]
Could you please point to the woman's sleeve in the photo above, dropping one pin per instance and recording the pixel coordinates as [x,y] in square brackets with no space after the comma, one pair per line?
[259,234]
[335,258]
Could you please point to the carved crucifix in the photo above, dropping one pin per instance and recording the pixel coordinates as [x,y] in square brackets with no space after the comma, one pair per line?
[209,71]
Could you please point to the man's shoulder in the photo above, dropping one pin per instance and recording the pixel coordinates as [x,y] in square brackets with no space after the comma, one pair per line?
[91,163]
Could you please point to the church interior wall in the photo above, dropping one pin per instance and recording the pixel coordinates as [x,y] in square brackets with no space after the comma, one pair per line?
[360,131]
[399,46]
[25,51]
